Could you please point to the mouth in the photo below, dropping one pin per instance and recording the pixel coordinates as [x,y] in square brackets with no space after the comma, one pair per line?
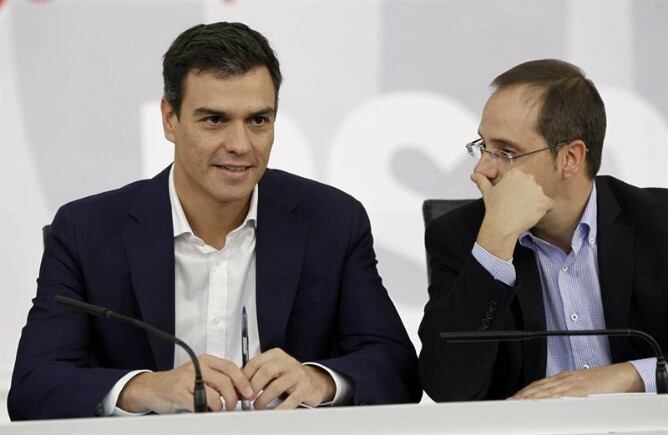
[234,168]
[234,173]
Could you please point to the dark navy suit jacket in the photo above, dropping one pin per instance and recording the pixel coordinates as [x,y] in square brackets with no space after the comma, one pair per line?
[319,296]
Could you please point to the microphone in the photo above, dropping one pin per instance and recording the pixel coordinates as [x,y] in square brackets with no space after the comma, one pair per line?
[478,336]
[200,393]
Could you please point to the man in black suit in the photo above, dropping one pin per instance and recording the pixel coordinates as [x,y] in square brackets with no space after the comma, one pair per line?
[549,246]
[213,234]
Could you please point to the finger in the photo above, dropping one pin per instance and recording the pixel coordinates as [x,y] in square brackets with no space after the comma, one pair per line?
[212,399]
[224,386]
[549,387]
[231,371]
[231,396]
[293,400]
[547,382]
[259,360]
[482,182]
[529,390]
[267,373]
[542,394]
[254,364]
[278,386]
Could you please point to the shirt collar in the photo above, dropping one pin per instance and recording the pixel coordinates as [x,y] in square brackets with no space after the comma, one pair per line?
[585,230]
[180,222]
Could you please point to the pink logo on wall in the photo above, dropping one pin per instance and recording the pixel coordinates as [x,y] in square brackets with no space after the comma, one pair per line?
[2,2]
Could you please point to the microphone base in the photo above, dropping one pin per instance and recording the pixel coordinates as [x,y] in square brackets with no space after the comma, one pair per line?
[200,397]
[661,378]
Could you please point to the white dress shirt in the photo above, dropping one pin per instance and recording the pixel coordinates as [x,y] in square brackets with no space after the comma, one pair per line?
[211,288]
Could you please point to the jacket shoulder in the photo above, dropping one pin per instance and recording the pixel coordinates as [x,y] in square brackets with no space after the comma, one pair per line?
[110,202]
[310,194]
[639,203]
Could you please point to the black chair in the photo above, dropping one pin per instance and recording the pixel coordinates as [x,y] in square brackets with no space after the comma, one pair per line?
[434,208]
[46,229]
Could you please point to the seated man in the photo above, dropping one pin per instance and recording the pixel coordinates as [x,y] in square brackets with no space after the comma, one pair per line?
[187,251]
[549,246]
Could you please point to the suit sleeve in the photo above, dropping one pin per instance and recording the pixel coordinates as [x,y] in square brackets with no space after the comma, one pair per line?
[463,296]
[55,373]
[374,349]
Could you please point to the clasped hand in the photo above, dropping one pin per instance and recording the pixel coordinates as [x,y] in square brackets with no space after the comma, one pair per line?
[271,375]
[513,205]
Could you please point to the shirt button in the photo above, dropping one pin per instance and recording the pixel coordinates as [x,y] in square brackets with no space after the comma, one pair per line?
[215,320]
[564,268]
[592,241]
[586,366]
[574,317]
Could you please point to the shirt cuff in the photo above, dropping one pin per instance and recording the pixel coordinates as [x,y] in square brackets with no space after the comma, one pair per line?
[646,368]
[107,406]
[343,385]
[501,270]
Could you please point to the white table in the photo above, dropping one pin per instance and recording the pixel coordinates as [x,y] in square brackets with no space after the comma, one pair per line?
[646,414]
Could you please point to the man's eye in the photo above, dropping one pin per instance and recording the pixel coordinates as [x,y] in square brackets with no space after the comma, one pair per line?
[213,120]
[259,120]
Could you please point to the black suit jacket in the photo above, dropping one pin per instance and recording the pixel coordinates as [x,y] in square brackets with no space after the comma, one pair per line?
[319,296]
[633,273]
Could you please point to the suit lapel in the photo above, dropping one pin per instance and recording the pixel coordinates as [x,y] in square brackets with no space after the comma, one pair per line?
[530,299]
[148,238]
[615,262]
[281,239]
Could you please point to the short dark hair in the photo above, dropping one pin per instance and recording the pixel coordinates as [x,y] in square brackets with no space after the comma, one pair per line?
[571,106]
[225,48]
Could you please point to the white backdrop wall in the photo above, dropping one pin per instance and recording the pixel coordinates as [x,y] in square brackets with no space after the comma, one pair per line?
[379,99]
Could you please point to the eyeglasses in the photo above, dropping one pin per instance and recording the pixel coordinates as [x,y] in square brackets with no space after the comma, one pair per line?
[477,149]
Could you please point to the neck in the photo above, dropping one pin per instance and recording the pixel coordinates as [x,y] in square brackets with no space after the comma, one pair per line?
[209,220]
[559,224]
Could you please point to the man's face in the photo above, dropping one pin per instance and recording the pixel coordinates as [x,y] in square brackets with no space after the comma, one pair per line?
[509,124]
[223,135]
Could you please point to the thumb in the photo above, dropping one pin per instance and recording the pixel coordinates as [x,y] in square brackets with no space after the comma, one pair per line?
[482,182]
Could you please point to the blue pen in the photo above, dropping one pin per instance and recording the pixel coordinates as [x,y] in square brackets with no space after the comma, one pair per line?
[245,403]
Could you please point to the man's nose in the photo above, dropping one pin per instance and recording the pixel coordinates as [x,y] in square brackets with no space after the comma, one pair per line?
[237,139]
[487,167]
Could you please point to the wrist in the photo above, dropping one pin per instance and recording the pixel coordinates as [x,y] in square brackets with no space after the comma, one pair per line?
[131,398]
[323,382]
[634,381]
[497,241]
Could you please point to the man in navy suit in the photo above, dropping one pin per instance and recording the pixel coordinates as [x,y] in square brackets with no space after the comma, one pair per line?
[214,233]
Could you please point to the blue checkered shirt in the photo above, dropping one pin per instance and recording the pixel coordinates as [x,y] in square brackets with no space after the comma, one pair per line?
[572,297]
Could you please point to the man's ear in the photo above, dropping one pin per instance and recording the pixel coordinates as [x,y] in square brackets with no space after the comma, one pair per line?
[170,120]
[573,158]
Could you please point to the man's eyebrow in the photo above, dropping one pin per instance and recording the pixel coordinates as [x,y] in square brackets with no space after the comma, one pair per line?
[263,112]
[208,111]
[269,110]
[499,140]
[504,142]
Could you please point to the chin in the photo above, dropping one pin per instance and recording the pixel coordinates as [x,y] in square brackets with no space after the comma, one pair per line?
[233,195]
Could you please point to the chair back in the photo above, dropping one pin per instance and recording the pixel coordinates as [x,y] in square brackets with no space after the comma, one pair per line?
[46,229]
[435,208]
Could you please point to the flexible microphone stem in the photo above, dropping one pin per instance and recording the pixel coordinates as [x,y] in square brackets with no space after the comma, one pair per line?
[200,393]
[486,336]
